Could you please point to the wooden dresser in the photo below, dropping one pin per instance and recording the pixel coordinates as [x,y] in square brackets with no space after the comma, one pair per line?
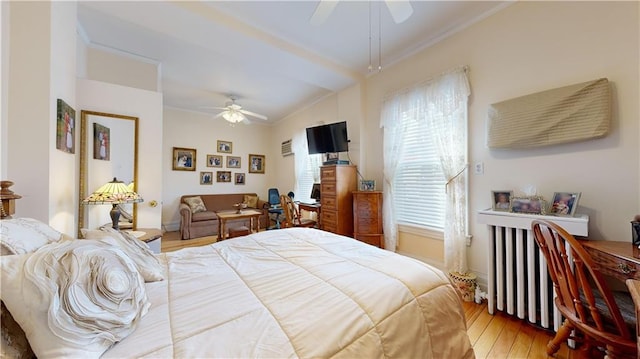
[367,217]
[336,184]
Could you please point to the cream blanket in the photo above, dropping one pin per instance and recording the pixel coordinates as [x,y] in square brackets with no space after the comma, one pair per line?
[298,293]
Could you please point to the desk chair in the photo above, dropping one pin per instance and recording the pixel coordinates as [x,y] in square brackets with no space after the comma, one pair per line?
[292,215]
[583,297]
[275,210]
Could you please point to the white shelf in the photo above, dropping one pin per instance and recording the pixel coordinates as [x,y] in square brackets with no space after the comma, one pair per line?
[577,225]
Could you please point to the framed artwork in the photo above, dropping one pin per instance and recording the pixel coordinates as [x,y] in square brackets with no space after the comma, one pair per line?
[564,203]
[367,185]
[65,128]
[239,178]
[330,156]
[225,146]
[233,162]
[527,205]
[256,163]
[101,142]
[223,176]
[214,161]
[501,200]
[206,177]
[184,159]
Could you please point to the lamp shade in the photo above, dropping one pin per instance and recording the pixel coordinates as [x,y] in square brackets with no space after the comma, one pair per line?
[114,192]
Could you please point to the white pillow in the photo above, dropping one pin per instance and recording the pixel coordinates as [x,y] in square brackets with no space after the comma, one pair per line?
[146,262]
[24,235]
[74,299]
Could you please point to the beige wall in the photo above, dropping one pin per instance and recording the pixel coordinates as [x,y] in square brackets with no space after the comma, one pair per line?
[525,48]
[122,69]
[201,132]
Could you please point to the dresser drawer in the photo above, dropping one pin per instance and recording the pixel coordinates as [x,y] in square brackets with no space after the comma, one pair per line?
[328,202]
[328,173]
[327,188]
[368,225]
[614,266]
[372,239]
[328,216]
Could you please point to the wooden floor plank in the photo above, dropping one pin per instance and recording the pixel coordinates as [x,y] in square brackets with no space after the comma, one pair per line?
[479,325]
[504,342]
[522,343]
[489,337]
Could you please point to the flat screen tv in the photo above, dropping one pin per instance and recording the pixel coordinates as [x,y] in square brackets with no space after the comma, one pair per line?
[328,138]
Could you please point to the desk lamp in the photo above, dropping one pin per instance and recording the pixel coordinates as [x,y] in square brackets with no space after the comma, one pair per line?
[114,193]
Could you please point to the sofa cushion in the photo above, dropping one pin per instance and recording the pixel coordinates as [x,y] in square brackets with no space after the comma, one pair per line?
[203,216]
[251,200]
[196,204]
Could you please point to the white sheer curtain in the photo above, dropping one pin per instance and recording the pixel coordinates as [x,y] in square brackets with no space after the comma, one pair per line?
[301,154]
[446,116]
[442,103]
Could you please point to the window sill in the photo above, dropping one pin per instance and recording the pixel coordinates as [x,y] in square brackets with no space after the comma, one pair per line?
[421,231]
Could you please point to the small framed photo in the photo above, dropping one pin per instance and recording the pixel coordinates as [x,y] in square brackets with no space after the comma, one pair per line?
[527,205]
[367,185]
[101,142]
[184,159]
[330,156]
[256,163]
[223,176]
[233,162]
[501,200]
[225,146]
[206,177]
[214,161]
[65,128]
[239,178]
[564,203]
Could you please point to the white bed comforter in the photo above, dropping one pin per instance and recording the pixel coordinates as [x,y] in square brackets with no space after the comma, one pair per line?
[298,293]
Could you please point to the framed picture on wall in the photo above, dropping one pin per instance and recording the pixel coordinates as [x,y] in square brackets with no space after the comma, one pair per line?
[223,176]
[184,159]
[233,162]
[239,178]
[65,128]
[225,146]
[206,177]
[256,163]
[214,161]
[101,142]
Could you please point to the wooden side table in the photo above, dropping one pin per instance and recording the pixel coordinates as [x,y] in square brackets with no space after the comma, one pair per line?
[151,236]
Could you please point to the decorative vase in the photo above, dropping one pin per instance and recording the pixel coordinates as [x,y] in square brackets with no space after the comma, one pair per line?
[465,284]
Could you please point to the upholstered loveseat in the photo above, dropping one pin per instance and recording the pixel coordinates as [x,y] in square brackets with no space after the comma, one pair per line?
[195,222]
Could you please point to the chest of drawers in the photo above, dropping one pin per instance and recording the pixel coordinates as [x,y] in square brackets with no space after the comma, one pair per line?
[336,184]
[367,217]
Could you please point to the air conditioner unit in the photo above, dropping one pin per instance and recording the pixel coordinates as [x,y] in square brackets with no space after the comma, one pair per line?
[286,148]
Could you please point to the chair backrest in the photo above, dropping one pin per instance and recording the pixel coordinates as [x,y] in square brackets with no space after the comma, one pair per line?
[290,211]
[274,196]
[578,285]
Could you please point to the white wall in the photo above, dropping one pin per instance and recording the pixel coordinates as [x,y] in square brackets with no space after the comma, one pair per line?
[147,106]
[107,65]
[201,132]
[4,86]
[41,69]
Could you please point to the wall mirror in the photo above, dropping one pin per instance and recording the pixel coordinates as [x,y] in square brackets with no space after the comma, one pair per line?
[108,149]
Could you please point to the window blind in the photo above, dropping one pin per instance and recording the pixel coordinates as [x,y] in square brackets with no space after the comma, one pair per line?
[419,186]
[310,176]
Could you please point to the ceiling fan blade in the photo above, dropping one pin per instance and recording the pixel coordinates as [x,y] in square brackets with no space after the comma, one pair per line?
[213,108]
[400,10]
[323,10]
[219,115]
[253,114]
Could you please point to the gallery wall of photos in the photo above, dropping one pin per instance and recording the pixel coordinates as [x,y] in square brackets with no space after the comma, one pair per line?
[230,166]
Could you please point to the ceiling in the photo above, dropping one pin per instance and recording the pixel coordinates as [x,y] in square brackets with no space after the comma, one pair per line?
[266,53]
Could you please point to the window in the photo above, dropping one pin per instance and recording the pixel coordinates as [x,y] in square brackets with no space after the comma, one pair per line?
[419,187]
[307,177]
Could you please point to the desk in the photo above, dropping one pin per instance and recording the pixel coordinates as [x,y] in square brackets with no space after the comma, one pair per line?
[224,216]
[311,207]
[620,260]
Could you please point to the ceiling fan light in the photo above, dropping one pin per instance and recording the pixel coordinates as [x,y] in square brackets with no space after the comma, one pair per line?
[233,116]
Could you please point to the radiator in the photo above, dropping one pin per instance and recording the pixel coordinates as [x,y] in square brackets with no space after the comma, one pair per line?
[517,278]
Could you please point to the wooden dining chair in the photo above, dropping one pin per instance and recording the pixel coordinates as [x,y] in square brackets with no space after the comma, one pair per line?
[292,214]
[582,296]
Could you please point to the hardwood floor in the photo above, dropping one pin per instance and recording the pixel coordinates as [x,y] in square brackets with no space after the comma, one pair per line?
[492,336]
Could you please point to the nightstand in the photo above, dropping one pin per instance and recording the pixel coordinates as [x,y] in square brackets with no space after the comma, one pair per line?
[151,236]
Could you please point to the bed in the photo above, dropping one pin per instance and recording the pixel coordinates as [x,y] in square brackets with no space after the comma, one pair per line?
[296,292]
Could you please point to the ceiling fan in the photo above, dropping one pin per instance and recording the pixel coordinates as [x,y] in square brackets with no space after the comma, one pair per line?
[234,113]
[400,10]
